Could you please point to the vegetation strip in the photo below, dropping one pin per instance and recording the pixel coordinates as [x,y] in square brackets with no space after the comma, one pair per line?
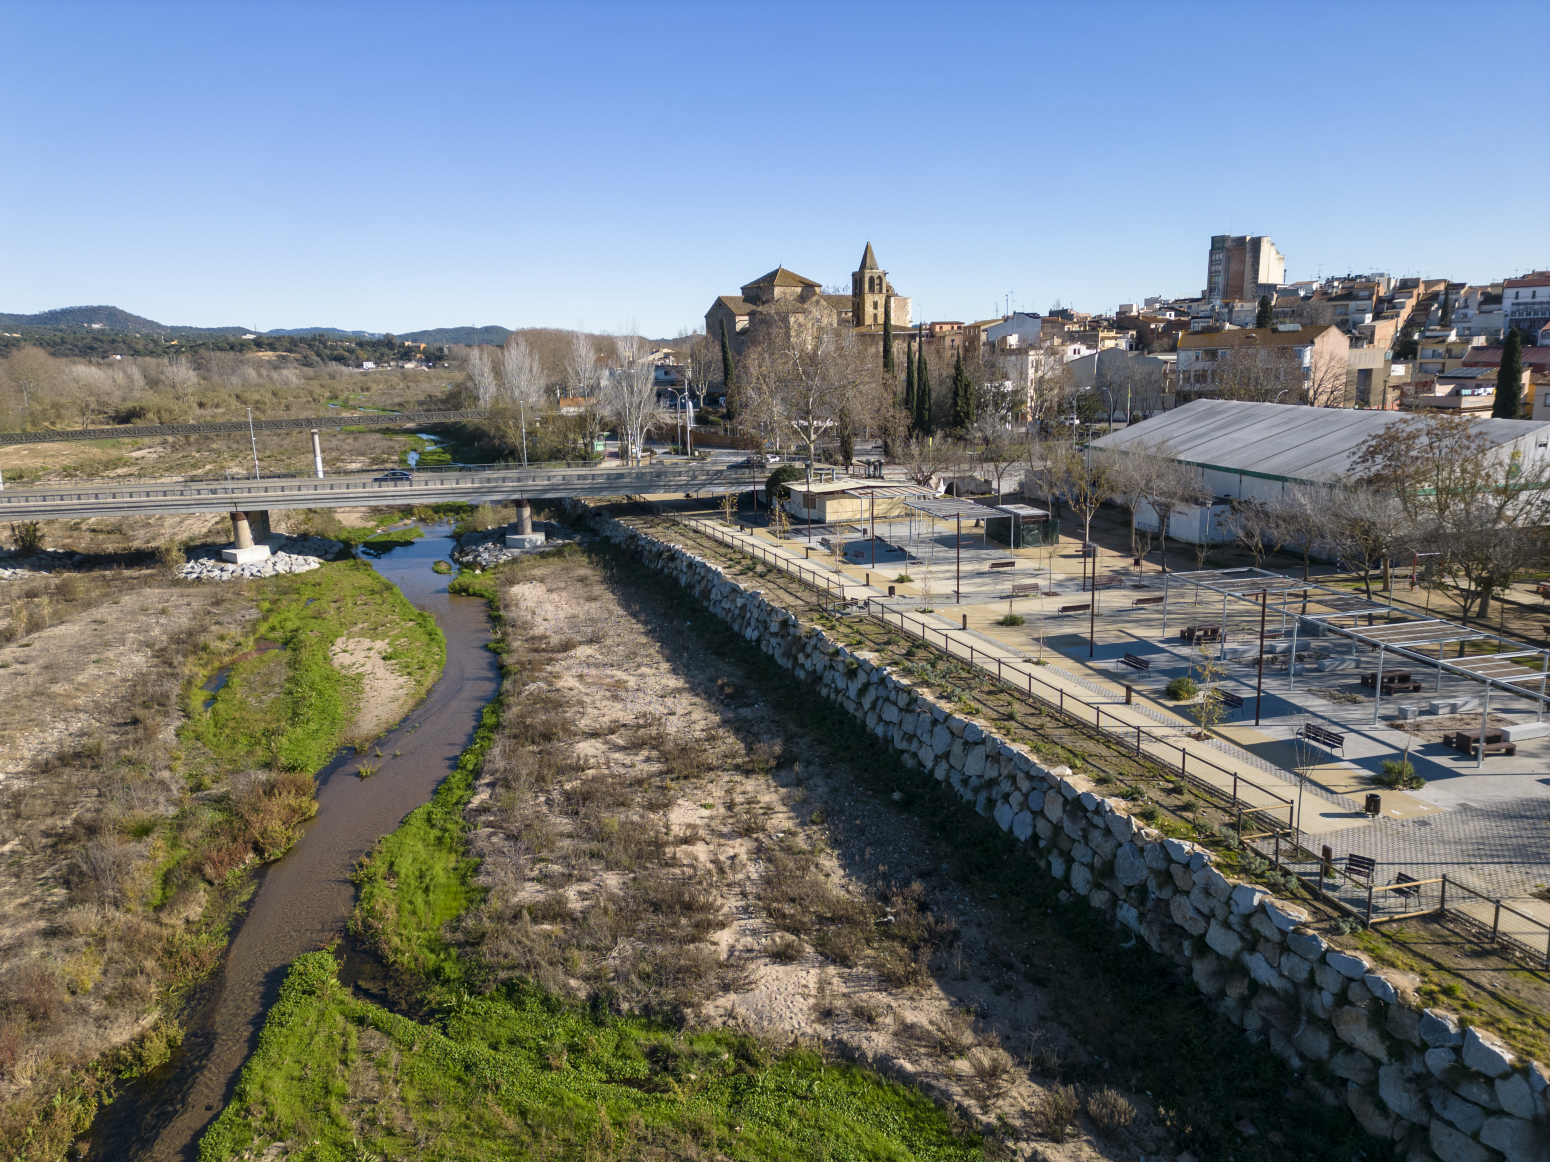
[549,1073]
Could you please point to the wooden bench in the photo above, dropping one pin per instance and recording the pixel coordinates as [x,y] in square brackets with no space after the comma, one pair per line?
[1002,564]
[1404,892]
[1147,601]
[1360,867]
[1136,663]
[1108,582]
[1322,737]
[1230,700]
[1023,588]
[1065,609]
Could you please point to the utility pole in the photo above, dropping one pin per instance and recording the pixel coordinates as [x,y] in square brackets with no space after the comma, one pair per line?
[958,567]
[254,438]
[1259,682]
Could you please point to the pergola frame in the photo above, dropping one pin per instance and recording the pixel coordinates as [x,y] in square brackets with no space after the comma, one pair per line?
[1251,584]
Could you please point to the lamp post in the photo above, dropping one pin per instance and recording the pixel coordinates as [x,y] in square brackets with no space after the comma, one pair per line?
[252,436]
[1259,683]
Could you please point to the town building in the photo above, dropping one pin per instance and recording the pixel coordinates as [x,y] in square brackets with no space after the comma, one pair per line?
[1242,267]
[798,301]
[1526,302]
[1305,363]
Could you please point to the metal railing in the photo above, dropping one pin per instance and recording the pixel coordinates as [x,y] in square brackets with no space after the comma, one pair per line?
[1160,749]
[1144,741]
[134,431]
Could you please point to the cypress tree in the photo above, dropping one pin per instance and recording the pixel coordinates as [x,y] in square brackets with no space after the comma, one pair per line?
[887,334]
[922,395]
[909,382]
[1509,380]
[727,370]
[1266,313]
[1447,307]
[963,396]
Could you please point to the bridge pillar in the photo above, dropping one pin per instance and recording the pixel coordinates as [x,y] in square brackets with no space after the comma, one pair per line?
[317,454]
[519,533]
[243,549]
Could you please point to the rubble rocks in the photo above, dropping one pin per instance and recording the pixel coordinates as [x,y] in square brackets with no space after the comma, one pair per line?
[13,565]
[487,549]
[288,555]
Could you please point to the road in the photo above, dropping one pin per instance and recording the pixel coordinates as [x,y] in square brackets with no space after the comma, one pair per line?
[471,486]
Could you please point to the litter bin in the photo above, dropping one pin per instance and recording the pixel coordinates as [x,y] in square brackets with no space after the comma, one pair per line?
[1374,804]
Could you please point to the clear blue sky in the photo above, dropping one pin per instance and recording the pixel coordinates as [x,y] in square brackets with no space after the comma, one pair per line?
[398,166]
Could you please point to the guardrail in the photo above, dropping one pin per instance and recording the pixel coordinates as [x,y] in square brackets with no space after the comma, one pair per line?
[134,431]
[746,543]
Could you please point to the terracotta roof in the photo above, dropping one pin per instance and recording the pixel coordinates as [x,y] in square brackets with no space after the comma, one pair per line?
[735,303]
[780,276]
[1536,357]
[868,259]
[1253,337]
[1538,278]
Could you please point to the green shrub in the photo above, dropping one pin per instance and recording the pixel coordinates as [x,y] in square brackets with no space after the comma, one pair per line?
[774,486]
[1182,689]
[1013,619]
[1398,775]
[27,537]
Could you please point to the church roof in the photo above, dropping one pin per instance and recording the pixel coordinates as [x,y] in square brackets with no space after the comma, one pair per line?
[735,303]
[868,259]
[780,276]
[843,303]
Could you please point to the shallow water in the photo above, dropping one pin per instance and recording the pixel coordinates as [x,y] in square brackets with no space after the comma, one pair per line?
[303,901]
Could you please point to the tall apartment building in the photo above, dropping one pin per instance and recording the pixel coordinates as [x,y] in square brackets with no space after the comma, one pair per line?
[1526,303]
[1243,267]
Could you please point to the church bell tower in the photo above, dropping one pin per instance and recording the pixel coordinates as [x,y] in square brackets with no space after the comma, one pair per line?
[869,291]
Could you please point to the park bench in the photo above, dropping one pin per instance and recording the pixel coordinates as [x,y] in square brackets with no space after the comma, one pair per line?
[1002,564]
[1136,663]
[1403,892]
[1023,588]
[1326,738]
[1360,867]
[1108,582]
[1233,702]
[1147,601]
[1065,609]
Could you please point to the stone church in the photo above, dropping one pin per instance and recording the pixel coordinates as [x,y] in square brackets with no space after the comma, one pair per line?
[794,300]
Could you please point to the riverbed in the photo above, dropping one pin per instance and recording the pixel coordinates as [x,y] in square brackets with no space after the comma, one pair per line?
[302,901]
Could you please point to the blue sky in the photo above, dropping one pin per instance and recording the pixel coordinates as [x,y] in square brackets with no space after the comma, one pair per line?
[398,166]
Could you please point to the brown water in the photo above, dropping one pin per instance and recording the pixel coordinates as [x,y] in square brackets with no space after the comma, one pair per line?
[303,900]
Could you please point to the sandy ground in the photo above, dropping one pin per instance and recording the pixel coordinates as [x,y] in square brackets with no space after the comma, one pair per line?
[385,695]
[623,671]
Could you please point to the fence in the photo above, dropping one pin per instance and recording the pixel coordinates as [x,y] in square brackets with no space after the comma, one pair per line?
[1161,749]
[1366,902]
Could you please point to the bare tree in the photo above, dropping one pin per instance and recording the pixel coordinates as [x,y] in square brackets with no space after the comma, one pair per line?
[1150,472]
[1084,482]
[522,385]
[1366,527]
[927,461]
[630,394]
[481,372]
[999,449]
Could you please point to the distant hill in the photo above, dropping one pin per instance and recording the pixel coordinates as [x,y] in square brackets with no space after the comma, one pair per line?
[467,336]
[101,319]
[108,318]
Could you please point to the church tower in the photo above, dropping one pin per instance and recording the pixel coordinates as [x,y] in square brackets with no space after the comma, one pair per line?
[869,290]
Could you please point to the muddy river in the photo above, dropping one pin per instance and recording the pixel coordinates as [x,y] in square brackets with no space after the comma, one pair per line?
[303,900]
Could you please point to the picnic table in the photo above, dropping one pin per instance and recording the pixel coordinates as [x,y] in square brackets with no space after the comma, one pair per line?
[1399,680]
[1194,633]
[1469,741]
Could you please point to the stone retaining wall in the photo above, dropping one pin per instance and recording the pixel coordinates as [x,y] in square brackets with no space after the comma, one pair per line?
[1419,1078]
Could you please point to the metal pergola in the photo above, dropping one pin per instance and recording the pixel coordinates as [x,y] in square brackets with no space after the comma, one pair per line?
[1401,633]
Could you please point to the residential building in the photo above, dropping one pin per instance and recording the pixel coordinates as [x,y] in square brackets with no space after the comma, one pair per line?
[1370,379]
[1441,349]
[1242,267]
[1463,391]
[1310,362]
[1478,311]
[1526,302]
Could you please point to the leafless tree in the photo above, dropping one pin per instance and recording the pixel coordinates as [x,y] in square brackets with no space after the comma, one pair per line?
[521,387]
[1259,374]
[927,461]
[1366,527]
[1150,472]
[630,394]
[581,364]
[998,449]
[482,374]
[1083,481]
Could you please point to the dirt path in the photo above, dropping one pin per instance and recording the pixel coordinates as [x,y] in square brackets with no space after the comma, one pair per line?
[819,915]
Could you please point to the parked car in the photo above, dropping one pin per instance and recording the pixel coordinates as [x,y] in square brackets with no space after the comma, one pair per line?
[393,474]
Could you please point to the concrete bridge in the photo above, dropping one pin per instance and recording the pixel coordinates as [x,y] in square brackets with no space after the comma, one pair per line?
[470,486]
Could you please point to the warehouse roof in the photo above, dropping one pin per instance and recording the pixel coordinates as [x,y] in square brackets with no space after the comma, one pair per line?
[1279,441]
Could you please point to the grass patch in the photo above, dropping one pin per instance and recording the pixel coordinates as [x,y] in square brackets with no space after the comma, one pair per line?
[516,1075]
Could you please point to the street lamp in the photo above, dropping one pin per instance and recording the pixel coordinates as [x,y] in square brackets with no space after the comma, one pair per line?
[254,438]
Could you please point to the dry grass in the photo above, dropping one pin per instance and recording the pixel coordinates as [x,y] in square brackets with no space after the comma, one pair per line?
[1055,1112]
[1111,1111]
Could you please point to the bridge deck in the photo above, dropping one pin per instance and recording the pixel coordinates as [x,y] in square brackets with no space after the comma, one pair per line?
[55,502]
